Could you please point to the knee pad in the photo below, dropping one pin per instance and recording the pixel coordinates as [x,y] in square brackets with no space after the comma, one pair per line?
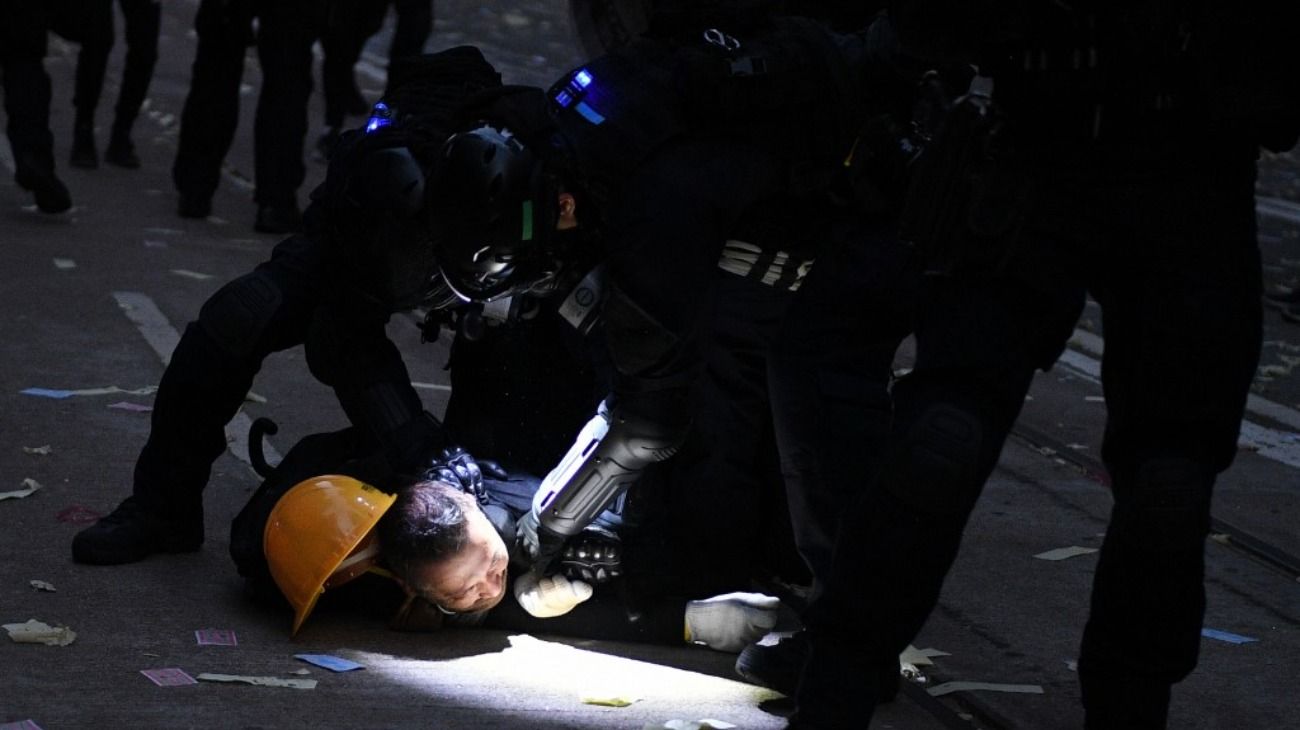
[936,470]
[238,314]
[1167,506]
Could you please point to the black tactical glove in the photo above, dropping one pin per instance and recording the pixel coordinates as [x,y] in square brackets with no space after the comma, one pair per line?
[595,556]
[455,466]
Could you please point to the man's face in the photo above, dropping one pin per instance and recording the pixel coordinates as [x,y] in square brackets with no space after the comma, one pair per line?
[475,578]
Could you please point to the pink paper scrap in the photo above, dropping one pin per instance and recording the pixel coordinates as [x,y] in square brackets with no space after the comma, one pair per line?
[215,637]
[169,677]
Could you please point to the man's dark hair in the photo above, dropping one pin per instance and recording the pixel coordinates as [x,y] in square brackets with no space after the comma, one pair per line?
[427,524]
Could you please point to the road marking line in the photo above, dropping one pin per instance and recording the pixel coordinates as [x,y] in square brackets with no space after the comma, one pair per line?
[162,337]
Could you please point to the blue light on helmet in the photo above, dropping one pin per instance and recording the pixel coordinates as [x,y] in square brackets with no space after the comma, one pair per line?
[380,116]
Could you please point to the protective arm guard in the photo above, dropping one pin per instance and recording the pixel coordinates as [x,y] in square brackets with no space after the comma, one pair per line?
[608,455]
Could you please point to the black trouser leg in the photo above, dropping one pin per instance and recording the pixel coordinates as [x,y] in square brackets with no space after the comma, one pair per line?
[830,374]
[143,20]
[211,370]
[211,111]
[26,91]
[952,415]
[414,24]
[284,42]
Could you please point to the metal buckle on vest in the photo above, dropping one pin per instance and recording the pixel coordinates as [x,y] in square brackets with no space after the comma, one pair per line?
[721,40]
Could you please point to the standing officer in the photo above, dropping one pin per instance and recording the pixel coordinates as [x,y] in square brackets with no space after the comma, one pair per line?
[286,32]
[27,104]
[91,25]
[1115,157]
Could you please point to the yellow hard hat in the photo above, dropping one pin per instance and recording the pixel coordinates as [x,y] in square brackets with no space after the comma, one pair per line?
[319,536]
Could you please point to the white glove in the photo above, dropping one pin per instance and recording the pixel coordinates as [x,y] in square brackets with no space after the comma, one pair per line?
[732,621]
[549,597]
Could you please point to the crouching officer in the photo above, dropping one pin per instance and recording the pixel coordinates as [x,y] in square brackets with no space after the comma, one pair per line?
[366,255]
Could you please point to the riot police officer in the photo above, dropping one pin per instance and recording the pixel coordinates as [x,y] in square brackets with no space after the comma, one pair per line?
[365,255]
[1109,151]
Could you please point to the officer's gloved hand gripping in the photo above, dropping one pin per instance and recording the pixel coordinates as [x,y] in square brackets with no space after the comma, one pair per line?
[454,465]
[608,455]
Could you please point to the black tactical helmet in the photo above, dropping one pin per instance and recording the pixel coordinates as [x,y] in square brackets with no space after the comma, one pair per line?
[494,211]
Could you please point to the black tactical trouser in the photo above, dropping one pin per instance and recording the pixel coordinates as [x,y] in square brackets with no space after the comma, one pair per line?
[26,86]
[830,374]
[291,299]
[285,35]
[211,111]
[91,25]
[1162,233]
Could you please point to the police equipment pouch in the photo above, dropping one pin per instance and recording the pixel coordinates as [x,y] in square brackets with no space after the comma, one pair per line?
[965,202]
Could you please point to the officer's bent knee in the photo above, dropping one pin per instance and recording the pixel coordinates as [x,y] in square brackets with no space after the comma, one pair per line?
[237,315]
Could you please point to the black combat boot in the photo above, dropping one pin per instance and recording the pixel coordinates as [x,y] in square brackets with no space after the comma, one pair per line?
[51,194]
[778,666]
[133,533]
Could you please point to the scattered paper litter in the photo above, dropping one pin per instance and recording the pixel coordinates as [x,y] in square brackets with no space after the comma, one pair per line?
[65,264]
[301,672]
[705,724]
[29,485]
[59,393]
[41,585]
[133,407]
[215,637]
[1229,637]
[38,450]
[1072,665]
[252,397]
[1065,552]
[259,681]
[612,699]
[20,725]
[191,274]
[920,657]
[950,687]
[169,677]
[330,662]
[39,632]
[77,514]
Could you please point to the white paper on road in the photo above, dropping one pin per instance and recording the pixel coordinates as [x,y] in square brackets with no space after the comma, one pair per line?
[940,690]
[65,264]
[920,657]
[705,724]
[191,274]
[38,450]
[259,681]
[29,485]
[1065,552]
[39,632]
[41,585]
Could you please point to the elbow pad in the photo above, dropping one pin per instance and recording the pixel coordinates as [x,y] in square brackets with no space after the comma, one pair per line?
[608,455]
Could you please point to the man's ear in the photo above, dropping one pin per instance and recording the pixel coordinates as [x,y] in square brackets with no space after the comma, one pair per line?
[566,216]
